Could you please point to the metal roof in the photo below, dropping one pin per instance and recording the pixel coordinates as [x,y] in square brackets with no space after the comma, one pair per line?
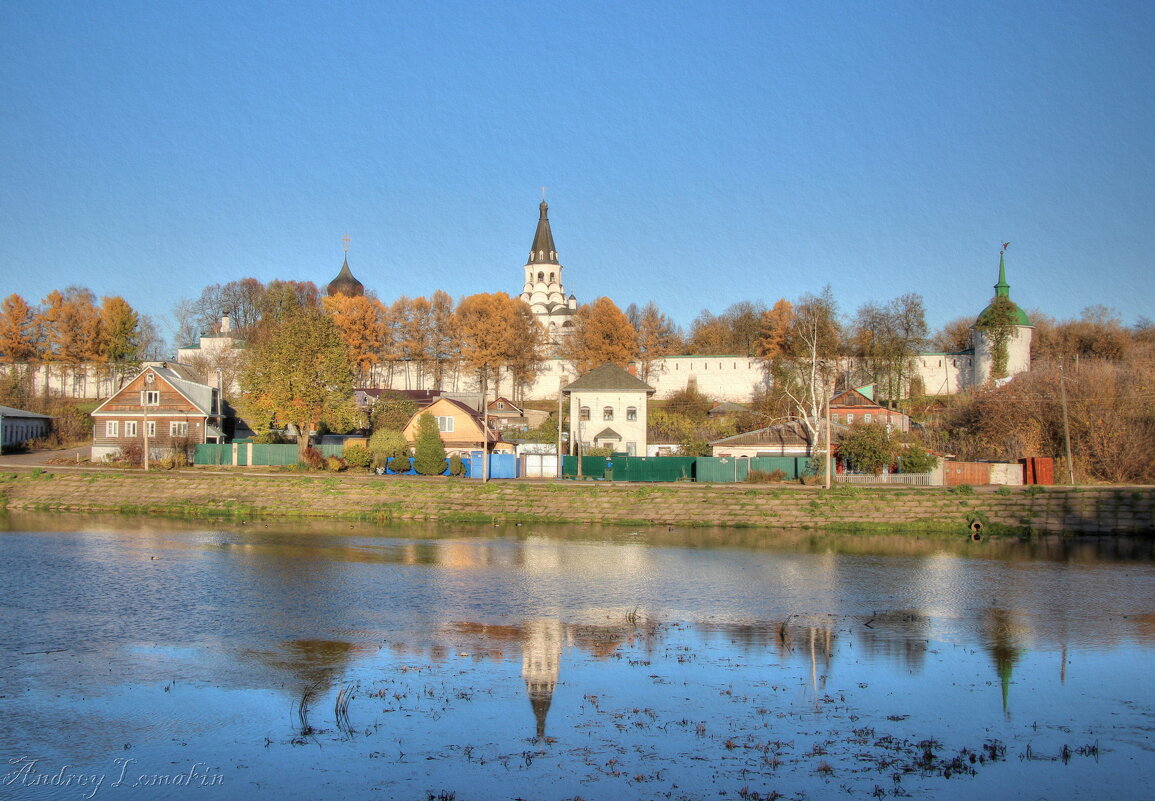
[608,377]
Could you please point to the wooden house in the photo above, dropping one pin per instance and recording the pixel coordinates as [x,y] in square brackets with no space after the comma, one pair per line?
[163,408]
[784,439]
[460,427]
[858,406]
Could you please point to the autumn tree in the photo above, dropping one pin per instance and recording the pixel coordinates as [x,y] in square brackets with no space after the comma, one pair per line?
[657,336]
[1098,333]
[119,331]
[392,411]
[601,334]
[19,331]
[709,335]
[735,331]
[241,300]
[954,336]
[410,320]
[774,330]
[498,332]
[298,373]
[361,323]
[283,298]
[444,346]
[805,374]
[71,323]
[886,339]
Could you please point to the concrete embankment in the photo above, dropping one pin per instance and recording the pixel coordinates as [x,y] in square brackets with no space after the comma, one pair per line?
[193,494]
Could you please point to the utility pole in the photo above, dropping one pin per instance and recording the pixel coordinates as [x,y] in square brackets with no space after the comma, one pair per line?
[144,406]
[560,385]
[1066,425]
[826,485]
[484,431]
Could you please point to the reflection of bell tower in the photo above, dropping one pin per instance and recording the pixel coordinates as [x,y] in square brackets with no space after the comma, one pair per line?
[1002,644]
[540,662]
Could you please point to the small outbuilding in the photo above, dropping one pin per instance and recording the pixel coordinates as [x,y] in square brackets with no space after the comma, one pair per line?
[18,427]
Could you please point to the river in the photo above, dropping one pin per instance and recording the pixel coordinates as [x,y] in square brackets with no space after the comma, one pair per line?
[146,659]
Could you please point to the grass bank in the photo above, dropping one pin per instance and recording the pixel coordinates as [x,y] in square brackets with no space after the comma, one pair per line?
[238,495]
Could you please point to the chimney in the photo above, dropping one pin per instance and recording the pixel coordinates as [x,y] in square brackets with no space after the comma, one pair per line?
[632,369]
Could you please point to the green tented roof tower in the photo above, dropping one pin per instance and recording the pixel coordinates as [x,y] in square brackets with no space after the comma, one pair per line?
[1003,290]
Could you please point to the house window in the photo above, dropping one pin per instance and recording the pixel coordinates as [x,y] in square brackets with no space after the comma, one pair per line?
[631,413]
[500,405]
[849,419]
[150,397]
[608,413]
[112,428]
[178,429]
[130,428]
[445,424]
[584,413]
[867,417]
[150,428]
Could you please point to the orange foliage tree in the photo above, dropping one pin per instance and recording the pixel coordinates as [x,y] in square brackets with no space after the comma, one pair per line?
[601,334]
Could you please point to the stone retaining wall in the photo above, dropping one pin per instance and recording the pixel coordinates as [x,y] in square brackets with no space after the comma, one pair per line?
[240,494]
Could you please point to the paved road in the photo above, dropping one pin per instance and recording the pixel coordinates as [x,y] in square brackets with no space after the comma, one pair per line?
[44,457]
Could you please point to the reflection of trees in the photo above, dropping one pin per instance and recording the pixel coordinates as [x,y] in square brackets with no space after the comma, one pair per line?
[1001,635]
[899,636]
[310,663]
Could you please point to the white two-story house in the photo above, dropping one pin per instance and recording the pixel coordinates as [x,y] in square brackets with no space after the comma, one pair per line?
[607,408]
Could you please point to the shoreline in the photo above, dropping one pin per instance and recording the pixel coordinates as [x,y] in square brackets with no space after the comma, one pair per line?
[240,495]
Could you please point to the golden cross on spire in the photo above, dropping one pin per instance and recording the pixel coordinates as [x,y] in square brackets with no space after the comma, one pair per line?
[346,240]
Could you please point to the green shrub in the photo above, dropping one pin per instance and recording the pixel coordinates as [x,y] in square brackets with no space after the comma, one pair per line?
[358,456]
[335,464]
[456,465]
[916,459]
[399,464]
[963,489]
[607,451]
[387,444]
[270,438]
[428,450]
[868,447]
[1004,490]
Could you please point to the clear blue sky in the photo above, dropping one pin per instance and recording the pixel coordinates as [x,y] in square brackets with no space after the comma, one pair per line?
[695,154]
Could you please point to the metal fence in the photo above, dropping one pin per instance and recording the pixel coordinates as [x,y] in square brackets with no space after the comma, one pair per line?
[630,468]
[731,470]
[244,454]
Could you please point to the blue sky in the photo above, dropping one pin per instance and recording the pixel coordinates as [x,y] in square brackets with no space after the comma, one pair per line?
[695,154]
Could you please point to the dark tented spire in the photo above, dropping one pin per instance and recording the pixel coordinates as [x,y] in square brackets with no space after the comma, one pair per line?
[543,250]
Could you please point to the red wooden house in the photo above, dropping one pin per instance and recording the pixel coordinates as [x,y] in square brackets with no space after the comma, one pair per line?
[163,408]
[858,406]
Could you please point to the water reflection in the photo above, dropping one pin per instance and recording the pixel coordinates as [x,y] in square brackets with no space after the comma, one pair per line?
[640,647]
